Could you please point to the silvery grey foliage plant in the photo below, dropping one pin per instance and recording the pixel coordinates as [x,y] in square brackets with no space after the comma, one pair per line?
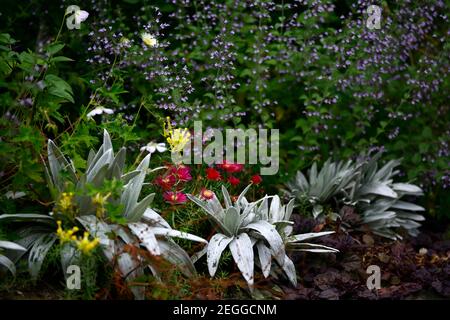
[362,184]
[143,227]
[381,201]
[332,181]
[245,226]
[4,260]
[280,216]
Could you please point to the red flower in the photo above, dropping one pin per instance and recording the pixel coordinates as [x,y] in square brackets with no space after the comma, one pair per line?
[182,173]
[234,181]
[213,174]
[174,197]
[231,167]
[256,179]
[166,183]
[207,194]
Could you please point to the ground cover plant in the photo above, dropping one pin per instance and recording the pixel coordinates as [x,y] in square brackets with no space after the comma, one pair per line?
[100,101]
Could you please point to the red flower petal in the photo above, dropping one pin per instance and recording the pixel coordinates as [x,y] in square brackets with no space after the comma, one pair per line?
[234,181]
[256,179]
[213,174]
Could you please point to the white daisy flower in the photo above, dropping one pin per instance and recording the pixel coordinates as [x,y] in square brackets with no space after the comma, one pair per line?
[149,39]
[99,110]
[151,147]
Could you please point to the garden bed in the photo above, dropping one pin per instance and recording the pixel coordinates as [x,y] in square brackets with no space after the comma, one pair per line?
[235,149]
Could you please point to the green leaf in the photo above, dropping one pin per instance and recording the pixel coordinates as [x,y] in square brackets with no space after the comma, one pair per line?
[58,87]
[6,38]
[60,59]
[54,48]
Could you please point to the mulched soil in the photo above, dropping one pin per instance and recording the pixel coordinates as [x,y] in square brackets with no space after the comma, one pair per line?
[414,268]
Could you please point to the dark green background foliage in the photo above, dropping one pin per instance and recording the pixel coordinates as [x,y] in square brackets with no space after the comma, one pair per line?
[310,68]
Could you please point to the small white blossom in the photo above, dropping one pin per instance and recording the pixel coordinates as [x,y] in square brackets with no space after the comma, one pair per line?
[99,110]
[15,195]
[75,16]
[80,16]
[149,39]
[151,147]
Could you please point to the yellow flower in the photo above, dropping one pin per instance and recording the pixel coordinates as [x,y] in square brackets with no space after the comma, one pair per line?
[65,236]
[85,245]
[98,201]
[149,39]
[65,204]
[176,138]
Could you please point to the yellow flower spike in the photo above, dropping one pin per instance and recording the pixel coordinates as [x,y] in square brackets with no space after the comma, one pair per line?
[65,204]
[176,138]
[59,230]
[85,245]
[63,235]
[99,201]
[82,243]
[167,126]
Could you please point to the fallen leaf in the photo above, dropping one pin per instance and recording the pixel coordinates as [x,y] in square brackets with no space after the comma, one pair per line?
[367,239]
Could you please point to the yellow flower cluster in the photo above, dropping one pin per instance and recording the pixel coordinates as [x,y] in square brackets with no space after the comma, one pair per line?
[65,203]
[83,244]
[99,201]
[66,236]
[176,138]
